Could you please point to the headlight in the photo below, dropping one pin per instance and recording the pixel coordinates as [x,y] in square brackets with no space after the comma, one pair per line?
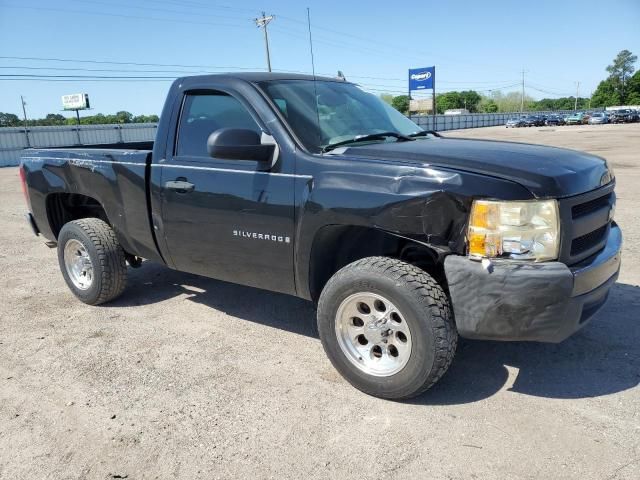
[519,230]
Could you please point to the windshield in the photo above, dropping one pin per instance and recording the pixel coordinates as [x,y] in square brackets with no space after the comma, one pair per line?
[330,112]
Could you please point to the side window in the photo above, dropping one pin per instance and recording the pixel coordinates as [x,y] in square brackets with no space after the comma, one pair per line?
[203,114]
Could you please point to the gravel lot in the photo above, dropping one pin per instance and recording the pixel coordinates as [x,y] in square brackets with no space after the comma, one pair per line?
[194,378]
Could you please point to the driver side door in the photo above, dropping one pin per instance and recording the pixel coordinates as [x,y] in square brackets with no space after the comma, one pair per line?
[226,219]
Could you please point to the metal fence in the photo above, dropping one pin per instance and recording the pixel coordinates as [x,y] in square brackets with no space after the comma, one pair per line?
[470,120]
[14,139]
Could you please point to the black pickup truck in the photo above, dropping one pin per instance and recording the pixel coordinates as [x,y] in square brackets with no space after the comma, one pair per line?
[315,188]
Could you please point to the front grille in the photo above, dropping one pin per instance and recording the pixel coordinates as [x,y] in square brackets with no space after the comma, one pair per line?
[585,223]
[588,241]
[590,206]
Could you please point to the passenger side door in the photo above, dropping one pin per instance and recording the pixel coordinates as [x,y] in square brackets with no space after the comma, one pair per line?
[227,219]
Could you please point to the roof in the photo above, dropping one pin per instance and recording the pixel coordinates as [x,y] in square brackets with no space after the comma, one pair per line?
[265,76]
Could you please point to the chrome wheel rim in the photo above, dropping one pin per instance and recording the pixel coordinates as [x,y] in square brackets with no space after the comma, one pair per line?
[78,264]
[373,334]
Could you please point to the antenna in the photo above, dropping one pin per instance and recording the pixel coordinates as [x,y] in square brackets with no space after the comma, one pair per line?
[313,71]
[313,66]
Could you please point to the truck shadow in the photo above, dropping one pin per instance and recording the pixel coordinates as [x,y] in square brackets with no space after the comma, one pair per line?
[602,359]
[153,283]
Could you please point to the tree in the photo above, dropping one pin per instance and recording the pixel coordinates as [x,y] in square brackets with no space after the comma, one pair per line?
[448,101]
[606,95]
[563,103]
[9,120]
[509,102]
[633,97]
[401,103]
[54,119]
[487,105]
[620,71]
[470,99]
[123,117]
[145,119]
[387,98]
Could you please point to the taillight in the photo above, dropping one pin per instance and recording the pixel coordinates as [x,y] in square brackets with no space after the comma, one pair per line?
[23,181]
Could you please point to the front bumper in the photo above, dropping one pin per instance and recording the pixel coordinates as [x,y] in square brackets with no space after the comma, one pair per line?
[544,302]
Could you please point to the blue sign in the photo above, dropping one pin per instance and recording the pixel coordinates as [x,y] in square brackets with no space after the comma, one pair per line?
[421,78]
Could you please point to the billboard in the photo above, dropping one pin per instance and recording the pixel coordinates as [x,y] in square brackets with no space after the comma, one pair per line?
[421,78]
[75,101]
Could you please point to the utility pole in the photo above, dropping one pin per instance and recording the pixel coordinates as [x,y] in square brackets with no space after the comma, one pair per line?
[262,22]
[522,96]
[24,112]
[575,106]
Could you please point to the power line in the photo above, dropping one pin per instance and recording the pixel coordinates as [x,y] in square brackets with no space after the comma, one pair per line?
[394,48]
[549,90]
[105,62]
[85,80]
[82,69]
[564,94]
[86,76]
[200,5]
[205,67]
[118,15]
[157,9]
[368,86]
[341,45]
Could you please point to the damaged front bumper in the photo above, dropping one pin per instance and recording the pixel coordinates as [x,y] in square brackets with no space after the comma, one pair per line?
[545,302]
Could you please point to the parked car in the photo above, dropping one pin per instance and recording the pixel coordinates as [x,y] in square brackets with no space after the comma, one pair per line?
[554,120]
[515,123]
[623,115]
[403,238]
[531,121]
[598,118]
[575,119]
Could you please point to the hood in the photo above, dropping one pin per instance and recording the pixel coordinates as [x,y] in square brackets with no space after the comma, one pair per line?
[544,171]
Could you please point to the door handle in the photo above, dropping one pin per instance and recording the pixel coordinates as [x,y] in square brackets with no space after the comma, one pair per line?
[180,185]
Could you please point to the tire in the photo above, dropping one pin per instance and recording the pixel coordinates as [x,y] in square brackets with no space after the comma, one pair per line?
[423,311]
[91,260]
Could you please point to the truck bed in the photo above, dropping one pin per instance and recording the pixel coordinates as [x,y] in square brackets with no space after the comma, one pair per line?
[114,175]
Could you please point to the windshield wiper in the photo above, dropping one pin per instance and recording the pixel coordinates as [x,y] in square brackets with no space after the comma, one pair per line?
[366,138]
[424,133]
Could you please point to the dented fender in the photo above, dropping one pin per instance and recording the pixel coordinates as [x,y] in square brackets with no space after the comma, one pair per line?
[425,204]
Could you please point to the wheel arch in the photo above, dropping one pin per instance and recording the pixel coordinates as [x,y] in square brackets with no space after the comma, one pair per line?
[64,207]
[335,246]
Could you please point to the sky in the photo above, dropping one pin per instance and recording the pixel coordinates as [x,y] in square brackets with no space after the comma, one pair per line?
[474,45]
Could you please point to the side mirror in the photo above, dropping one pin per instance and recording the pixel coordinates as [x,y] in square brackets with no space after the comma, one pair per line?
[238,144]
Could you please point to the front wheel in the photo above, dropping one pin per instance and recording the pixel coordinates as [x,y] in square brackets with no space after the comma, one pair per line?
[91,260]
[387,327]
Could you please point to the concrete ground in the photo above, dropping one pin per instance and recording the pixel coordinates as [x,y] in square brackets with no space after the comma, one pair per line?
[194,378]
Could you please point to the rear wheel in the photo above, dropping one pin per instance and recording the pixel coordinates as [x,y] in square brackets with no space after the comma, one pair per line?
[91,260]
[387,327]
